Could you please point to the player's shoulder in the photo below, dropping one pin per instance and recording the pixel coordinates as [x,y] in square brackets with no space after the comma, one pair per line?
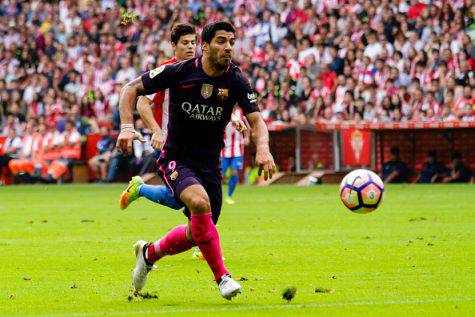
[180,66]
[170,61]
[234,69]
[235,72]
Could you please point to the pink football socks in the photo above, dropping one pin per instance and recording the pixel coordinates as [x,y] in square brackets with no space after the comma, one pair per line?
[173,243]
[206,237]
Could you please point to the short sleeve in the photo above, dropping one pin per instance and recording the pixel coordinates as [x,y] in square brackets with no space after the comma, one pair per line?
[246,99]
[159,78]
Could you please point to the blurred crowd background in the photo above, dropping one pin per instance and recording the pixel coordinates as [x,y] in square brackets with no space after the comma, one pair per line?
[63,63]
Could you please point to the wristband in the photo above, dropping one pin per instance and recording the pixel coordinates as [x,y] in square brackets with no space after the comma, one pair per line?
[127,126]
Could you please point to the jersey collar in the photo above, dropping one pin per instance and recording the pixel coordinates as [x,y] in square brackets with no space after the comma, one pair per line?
[199,65]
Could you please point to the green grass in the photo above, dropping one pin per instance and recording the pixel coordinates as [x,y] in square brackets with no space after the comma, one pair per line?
[413,256]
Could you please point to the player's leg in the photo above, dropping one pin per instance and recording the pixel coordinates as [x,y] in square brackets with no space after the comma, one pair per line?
[175,241]
[204,233]
[177,177]
[159,194]
[225,163]
[236,166]
[213,187]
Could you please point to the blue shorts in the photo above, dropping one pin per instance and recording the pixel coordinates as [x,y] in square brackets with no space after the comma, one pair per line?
[234,163]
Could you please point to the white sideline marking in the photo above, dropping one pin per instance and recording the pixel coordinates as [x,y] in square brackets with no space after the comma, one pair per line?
[257,307]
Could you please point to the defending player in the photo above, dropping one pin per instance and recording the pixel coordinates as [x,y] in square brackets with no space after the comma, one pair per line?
[203,92]
[233,153]
[183,38]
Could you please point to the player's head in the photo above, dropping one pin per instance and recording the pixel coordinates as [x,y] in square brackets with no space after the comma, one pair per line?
[394,153]
[217,42]
[183,38]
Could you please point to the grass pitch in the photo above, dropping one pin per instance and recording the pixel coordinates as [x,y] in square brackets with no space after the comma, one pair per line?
[68,251]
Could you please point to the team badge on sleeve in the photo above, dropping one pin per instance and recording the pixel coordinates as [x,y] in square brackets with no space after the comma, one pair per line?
[156,71]
[222,94]
[206,90]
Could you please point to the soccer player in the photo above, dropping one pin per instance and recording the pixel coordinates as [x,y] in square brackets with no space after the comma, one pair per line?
[232,154]
[183,38]
[203,92]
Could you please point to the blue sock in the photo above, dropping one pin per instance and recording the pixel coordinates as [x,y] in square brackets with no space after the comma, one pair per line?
[160,194]
[233,180]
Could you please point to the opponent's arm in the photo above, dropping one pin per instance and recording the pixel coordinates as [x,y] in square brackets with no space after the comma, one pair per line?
[238,124]
[247,137]
[144,107]
[127,100]
[260,137]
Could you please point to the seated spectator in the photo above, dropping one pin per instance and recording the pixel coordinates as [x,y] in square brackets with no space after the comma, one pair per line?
[105,146]
[395,170]
[24,166]
[432,171]
[70,151]
[458,173]
[10,150]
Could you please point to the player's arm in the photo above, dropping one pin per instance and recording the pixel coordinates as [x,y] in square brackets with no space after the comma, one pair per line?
[247,101]
[155,80]
[392,176]
[144,108]
[238,124]
[260,137]
[247,137]
[127,99]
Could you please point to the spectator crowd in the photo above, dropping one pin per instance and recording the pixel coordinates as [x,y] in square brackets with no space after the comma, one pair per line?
[63,63]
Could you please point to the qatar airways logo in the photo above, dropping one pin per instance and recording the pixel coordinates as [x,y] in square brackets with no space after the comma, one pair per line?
[202,112]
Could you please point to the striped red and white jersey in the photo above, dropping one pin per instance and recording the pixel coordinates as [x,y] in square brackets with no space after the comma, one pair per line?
[233,139]
[161,103]
[30,144]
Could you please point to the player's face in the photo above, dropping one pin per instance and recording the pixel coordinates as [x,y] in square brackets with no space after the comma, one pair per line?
[185,48]
[221,49]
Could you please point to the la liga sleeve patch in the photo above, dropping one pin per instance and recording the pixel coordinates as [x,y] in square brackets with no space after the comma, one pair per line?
[156,71]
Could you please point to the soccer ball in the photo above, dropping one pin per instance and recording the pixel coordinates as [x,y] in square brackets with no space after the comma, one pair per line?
[361,191]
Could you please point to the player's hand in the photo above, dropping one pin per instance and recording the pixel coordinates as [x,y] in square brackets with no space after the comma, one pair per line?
[125,139]
[239,124]
[265,161]
[157,141]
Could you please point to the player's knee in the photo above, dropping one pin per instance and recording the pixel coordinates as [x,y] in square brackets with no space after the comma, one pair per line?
[199,204]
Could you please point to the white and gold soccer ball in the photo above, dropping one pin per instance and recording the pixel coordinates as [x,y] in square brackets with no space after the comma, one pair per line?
[361,191]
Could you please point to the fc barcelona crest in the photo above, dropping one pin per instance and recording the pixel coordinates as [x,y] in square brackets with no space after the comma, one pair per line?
[222,94]
[206,90]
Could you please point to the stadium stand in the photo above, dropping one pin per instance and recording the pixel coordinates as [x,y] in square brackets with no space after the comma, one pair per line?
[311,62]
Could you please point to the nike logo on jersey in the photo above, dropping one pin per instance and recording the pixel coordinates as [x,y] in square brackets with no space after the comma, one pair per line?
[187,86]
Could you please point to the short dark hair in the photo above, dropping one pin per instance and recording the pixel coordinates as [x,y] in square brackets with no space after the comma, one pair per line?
[209,31]
[180,29]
